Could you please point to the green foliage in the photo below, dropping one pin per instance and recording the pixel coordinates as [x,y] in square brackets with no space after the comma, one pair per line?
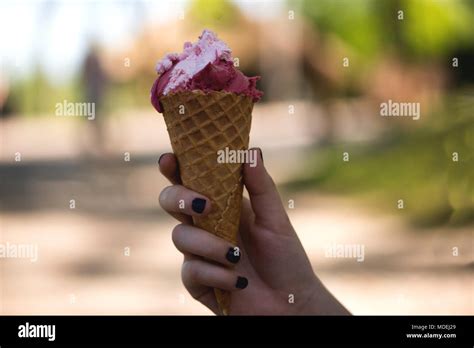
[35,94]
[354,22]
[430,28]
[416,166]
[433,28]
[213,13]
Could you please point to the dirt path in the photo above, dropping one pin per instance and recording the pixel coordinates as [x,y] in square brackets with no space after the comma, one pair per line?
[82,267]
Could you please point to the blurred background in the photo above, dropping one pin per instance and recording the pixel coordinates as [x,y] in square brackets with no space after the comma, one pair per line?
[85,192]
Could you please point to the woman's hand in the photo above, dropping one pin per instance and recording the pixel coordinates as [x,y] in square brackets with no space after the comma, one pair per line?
[269,273]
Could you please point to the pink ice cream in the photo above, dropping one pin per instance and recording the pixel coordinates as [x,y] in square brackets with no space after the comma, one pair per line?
[205,65]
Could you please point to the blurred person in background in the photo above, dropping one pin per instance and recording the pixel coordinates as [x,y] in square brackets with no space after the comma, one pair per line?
[4,91]
[94,84]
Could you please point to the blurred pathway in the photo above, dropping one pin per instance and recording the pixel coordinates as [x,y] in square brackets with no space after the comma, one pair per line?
[82,267]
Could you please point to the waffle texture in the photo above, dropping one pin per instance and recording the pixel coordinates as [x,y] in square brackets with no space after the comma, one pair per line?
[199,125]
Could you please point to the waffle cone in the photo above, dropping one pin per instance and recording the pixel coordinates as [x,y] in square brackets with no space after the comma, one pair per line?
[199,125]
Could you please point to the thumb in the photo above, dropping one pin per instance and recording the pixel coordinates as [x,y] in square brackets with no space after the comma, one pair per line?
[263,194]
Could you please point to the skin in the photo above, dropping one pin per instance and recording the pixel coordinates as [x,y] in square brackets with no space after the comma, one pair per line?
[271,255]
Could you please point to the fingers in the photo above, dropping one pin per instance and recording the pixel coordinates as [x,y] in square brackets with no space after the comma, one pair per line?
[169,167]
[247,220]
[182,203]
[179,199]
[199,272]
[201,293]
[200,275]
[264,197]
[193,240]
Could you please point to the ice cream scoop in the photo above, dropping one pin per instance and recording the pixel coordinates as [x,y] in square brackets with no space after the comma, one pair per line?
[206,65]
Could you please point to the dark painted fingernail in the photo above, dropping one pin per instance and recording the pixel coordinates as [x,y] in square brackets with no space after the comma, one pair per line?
[242,283]
[233,255]
[161,156]
[199,205]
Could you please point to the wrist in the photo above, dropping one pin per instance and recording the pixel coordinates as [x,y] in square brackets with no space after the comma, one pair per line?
[322,302]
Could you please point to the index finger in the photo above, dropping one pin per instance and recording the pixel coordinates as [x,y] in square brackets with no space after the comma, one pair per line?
[169,167]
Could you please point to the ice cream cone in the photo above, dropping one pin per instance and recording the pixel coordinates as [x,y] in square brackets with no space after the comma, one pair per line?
[199,125]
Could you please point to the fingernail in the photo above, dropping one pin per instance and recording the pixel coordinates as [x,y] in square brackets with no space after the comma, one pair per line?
[242,283]
[199,205]
[161,156]
[233,255]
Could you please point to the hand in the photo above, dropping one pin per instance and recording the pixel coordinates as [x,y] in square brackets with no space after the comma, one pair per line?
[271,268]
